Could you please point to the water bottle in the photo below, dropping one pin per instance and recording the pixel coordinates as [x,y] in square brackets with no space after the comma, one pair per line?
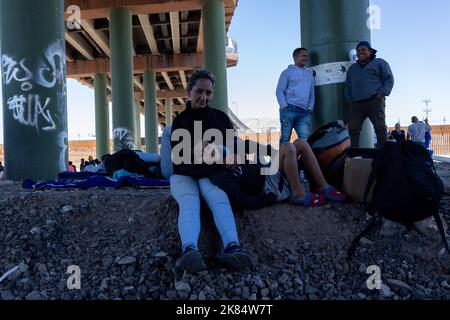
[304,181]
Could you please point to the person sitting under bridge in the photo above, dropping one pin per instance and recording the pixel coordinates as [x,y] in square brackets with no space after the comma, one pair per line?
[247,188]
[190,180]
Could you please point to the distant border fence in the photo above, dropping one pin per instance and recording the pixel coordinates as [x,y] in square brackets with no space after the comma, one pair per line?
[440,139]
[78,149]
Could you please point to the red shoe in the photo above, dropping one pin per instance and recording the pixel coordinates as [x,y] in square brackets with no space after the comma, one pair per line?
[311,200]
[332,193]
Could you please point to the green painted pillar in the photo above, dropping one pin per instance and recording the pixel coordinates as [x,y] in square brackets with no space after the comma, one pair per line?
[33,63]
[101,116]
[137,123]
[214,39]
[168,110]
[150,112]
[122,79]
[330,29]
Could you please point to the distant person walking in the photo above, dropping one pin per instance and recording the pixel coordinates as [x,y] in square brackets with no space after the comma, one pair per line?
[82,164]
[295,95]
[417,130]
[427,135]
[398,134]
[369,81]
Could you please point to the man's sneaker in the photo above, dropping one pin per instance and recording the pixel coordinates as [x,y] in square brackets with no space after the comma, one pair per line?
[234,257]
[192,261]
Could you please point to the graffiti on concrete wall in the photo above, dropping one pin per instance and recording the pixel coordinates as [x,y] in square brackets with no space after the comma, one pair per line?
[13,70]
[31,109]
[62,144]
[123,139]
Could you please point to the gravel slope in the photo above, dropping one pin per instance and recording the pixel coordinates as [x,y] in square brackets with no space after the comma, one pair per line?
[125,243]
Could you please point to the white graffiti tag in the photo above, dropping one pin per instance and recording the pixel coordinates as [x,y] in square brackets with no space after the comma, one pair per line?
[12,70]
[27,111]
[36,109]
[62,143]
[123,139]
[52,67]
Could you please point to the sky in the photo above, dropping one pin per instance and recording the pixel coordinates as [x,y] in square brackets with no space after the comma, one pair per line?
[413,39]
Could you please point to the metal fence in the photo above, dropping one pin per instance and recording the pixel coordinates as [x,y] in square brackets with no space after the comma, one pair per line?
[440,139]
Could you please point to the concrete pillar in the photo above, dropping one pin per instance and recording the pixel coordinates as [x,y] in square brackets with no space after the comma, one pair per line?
[214,43]
[101,116]
[137,123]
[122,79]
[168,112]
[33,63]
[343,23]
[150,112]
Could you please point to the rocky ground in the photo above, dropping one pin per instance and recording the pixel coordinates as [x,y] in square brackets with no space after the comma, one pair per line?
[125,243]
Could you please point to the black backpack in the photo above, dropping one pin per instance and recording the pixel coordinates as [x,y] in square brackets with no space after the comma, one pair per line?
[407,188]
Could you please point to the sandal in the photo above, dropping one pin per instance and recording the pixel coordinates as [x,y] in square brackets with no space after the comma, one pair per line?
[332,193]
[311,200]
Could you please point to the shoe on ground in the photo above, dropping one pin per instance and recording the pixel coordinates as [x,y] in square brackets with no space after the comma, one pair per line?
[311,200]
[332,193]
[192,261]
[234,257]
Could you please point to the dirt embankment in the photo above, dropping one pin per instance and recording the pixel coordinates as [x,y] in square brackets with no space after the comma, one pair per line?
[125,243]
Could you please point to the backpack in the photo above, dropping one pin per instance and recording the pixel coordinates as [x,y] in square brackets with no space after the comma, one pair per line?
[407,188]
[330,144]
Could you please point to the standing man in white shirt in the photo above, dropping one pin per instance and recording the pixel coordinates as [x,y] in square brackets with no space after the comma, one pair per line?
[295,95]
[416,131]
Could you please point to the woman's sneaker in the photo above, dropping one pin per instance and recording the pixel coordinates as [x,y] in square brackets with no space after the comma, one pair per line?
[234,257]
[191,260]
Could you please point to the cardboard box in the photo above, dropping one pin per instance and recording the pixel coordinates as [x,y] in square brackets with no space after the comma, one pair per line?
[356,175]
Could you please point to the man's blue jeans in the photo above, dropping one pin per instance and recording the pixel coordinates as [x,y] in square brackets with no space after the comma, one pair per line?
[296,118]
[187,190]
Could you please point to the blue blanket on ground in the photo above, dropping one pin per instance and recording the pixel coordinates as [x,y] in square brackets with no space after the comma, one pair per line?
[95,181]
[79,175]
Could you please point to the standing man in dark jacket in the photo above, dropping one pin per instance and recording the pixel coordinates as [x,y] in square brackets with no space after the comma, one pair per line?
[369,82]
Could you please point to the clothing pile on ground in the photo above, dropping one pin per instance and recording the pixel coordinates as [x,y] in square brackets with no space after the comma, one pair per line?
[123,168]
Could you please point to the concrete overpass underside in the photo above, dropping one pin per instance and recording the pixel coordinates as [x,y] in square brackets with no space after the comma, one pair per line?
[167,39]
